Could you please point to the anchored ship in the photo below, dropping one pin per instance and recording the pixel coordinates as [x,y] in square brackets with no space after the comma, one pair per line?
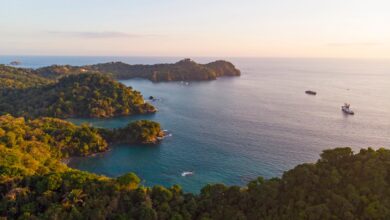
[347,110]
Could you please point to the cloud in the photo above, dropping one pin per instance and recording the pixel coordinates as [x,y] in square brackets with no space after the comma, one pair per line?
[354,44]
[103,34]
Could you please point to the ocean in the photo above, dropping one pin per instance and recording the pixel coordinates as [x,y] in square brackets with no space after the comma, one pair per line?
[235,129]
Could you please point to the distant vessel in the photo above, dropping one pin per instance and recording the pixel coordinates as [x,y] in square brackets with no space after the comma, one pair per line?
[310,92]
[345,108]
[187,173]
[15,63]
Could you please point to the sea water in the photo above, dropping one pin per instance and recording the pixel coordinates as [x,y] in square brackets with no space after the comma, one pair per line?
[234,129]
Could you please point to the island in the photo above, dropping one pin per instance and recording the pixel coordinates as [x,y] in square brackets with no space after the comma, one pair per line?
[15,63]
[81,95]
[35,184]
[184,70]
[141,131]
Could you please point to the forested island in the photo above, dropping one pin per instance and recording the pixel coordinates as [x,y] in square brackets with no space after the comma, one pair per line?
[34,184]
[78,95]
[184,70]
[142,131]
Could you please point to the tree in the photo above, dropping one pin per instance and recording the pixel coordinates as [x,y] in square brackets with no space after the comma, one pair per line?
[129,180]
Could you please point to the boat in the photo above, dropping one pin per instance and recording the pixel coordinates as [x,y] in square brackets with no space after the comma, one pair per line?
[346,109]
[187,173]
[153,99]
[310,92]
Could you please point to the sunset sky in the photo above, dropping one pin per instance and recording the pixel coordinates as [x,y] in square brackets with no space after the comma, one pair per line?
[248,28]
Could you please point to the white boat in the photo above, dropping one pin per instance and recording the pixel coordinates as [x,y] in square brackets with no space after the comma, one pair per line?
[346,109]
[187,173]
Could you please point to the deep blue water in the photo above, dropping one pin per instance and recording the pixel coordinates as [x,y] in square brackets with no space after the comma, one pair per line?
[260,124]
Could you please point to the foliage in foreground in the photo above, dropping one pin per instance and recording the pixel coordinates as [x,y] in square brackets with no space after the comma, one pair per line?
[82,95]
[29,147]
[341,185]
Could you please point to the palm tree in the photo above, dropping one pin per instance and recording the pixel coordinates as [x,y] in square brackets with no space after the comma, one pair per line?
[74,198]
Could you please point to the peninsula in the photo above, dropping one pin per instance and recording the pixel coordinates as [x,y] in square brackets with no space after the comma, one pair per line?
[82,95]
[184,70]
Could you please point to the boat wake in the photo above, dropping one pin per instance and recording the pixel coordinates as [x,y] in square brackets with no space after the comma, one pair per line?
[187,173]
[166,134]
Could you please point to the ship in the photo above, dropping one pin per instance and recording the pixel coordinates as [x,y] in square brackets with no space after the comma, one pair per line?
[346,109]
[310,92]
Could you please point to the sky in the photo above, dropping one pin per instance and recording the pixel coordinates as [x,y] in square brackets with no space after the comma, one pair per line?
[227,28]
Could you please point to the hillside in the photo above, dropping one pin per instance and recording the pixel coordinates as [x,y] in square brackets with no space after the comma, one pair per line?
[29,147]
[36,146]
[18,78]
[184,70]
[35,185]
[58,71]
[81,95]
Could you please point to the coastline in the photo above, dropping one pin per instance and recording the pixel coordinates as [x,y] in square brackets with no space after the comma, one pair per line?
[157,140]
[67,161]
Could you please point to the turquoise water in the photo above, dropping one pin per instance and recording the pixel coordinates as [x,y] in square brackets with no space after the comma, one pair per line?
[260,124]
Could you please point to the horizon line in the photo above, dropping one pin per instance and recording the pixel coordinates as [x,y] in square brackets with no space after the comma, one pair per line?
[182,56]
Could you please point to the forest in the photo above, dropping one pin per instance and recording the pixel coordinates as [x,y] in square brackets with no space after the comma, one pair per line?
[183,70]
[81,95]
[141,131]
[18,78]
[35,184]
